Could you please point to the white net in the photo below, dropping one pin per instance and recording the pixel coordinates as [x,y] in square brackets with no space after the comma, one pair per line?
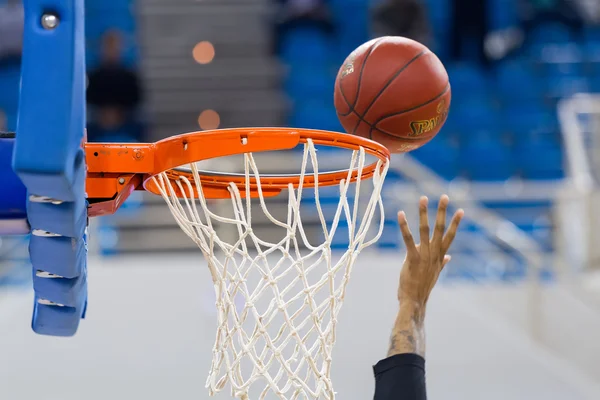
[278,301]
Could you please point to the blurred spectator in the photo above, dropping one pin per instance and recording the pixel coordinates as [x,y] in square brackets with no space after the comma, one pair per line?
[114,94]
[469,28]
[293,14]
[11,31]
[590,10]
[406,18]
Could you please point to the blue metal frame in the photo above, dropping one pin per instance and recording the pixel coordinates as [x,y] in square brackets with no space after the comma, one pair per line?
[49,160]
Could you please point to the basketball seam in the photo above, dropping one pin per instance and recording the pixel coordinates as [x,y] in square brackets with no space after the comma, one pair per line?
[374,125]
[391,80]
[360,74]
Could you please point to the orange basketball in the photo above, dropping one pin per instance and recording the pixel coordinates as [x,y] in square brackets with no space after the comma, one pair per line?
[395,91]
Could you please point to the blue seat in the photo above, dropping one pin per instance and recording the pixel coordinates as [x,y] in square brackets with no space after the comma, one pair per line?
[315,114]
[539,157]
[11,121]
[485,158]
[526,119]
[502,14]
[518,82]
[352,26]
[440,156]
[591,33]
[467,77]
[306,43]
[567,59]
[551,32]
[546,37]
[439,12]
[10,82]
[309,81]
[566,86]
[559,69]
[390,237]
[561,52]
[100,21]
[474,116]
[592,53]
[112,6]
[595,82]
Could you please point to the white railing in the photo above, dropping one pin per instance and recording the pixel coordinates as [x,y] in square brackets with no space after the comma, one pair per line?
[578,217]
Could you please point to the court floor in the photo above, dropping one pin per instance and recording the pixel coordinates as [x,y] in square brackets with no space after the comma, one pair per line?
[151,323]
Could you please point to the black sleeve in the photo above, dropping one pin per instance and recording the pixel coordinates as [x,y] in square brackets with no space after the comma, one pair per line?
[400,377]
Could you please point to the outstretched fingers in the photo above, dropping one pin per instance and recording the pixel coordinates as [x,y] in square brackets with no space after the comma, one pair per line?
[424,226]
[407,236]
[440,223]
[451,233]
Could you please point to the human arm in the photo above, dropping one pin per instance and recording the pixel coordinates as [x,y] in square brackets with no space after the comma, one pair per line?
[402,374]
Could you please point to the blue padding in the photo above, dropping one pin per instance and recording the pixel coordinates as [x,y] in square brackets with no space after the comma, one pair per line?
[58,321]
[73,253]
[51,121]
[61,290]
[12,200]
[67,219]
[49,160]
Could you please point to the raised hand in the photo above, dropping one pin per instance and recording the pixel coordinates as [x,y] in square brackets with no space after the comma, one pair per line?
[424,261]
[422,267]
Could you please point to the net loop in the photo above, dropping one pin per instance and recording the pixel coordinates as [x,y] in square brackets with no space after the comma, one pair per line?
[278,301]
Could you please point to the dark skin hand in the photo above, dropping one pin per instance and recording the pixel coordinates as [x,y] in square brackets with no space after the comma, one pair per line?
[423,264]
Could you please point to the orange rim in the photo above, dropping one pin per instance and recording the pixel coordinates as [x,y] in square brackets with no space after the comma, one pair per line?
[116,169]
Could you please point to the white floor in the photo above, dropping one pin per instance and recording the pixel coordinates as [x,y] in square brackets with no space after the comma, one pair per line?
[150,325]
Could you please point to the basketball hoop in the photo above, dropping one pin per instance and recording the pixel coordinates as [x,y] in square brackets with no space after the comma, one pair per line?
[277,301]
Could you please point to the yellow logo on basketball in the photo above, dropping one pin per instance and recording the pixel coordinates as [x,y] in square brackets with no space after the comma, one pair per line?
[407,147]
[421,127]
[348,67]
[441,108]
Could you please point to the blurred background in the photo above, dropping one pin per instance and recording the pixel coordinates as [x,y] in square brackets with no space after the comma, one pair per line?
[517,313]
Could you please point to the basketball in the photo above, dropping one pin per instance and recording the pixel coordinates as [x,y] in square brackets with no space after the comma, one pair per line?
[393,90]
